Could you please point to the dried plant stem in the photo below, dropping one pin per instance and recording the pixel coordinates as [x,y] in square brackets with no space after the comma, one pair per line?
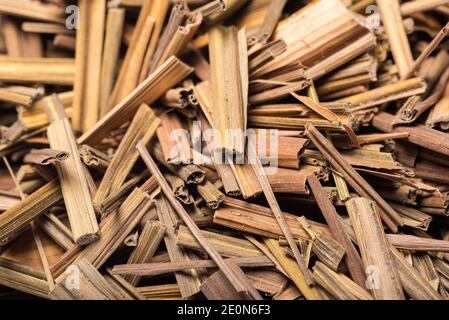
[352,257]
[390,13]
[149,239]
[374,248]
[72,176]
[89,51]
[234,279]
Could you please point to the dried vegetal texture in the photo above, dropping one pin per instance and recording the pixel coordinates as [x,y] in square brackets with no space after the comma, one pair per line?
[423,263]
[210,194]
[229,88]
[116,227]
[112,41]
[34,10]
[189,281]
[227,246]
[259,220]
[285,149]
[224,171]
[177,43]
[293,271]
[392,92]
[415,6]
[419,135]
[23,278]
[439,114]
[374,249]
[338,285]
[158,268]
[21,214]
[174,140]
[89,53]
[414,284]
[150,238]
[57,71]
[142,128]
[151,11]
[72,175]
[21,95]
[190,173]
[294,181]
[45,156]
[309,31]
[36,117]
[166,76]
[270,21]
[230,7]
[352,257]
[179,188]
[390,13]
[94,158]
[412,217]
[232,272]
[122,289]
[92,285]
[389,216]
[56,230]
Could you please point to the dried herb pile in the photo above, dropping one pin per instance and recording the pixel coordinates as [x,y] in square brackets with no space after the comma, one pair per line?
[113,187]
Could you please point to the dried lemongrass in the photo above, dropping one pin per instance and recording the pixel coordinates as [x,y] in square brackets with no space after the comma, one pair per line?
[390,13]
[152,234]
[142,128]
[189,281]
[228,87]
[121,224]
[73,179]
[167,75]
[57,71]
[114,30]
[45,156]
[338,285]
[89,51]
[374,248]
[37,203]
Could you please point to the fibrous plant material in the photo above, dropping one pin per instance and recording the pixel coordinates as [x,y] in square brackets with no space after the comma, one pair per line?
[142,127]
[338,285]
[92,286]
[390,13]
[390,217]
[374,248]
[45,156]
[115,228]
[154,269]
[154,11]
[89,51]
[189,281]
[352,257]
[167,75]
[114,31]
[149,240]
[72,175]
[24,96]
[22,278]
[57,71]
[37,203]
[344,102]
[233,275]
[229,87]
[269,195]
[36,10]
